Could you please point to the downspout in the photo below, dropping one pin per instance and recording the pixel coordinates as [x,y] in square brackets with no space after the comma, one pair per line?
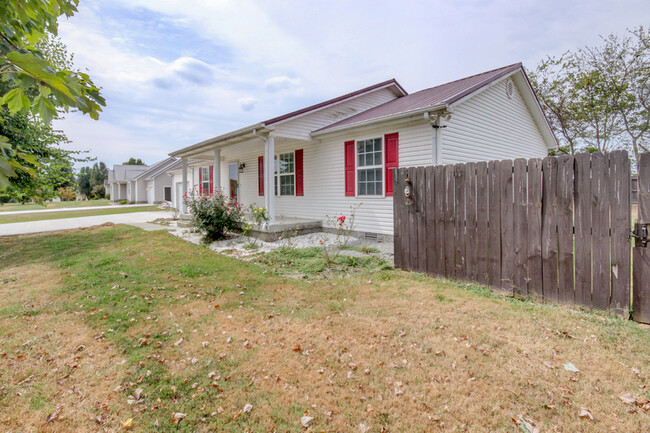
[437,122]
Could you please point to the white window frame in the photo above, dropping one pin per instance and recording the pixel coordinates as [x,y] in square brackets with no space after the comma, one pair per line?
[205,178]
[382,167]
[277,174]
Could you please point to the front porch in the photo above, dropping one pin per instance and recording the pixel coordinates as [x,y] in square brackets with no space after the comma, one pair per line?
[256,167]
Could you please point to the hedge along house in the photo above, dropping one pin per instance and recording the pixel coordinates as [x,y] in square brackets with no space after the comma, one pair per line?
[326,158]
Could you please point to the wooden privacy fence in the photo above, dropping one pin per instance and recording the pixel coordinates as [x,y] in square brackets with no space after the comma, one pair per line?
[554,228]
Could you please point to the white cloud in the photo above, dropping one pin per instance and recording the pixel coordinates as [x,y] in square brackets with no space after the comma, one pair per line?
[185,70]
[282,82]
[247,103]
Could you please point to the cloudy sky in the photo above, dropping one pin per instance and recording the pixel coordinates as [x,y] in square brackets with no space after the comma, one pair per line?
[175,72]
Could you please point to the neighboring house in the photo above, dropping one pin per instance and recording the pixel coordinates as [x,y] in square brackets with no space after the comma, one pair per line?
[154,185]
[141,183]
[341,152]
[120,181]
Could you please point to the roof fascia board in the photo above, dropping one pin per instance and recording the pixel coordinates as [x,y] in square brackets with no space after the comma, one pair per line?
[380,120]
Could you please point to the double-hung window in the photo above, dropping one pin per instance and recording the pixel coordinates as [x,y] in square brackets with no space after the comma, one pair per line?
[205,180]
[370,167]
[285,174]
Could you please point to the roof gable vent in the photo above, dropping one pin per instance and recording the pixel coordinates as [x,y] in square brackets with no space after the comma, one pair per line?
[510,90]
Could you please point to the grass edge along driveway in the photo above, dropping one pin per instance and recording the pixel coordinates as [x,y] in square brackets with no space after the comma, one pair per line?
[8,219]
[116,327]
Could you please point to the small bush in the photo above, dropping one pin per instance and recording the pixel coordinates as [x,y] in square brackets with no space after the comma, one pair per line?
[214,214]
[122,202]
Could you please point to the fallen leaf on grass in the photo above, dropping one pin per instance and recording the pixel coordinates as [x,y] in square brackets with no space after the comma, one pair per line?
[584,413]
[178,342]
[177,417]
[364,428]
[525,425]
[54,415]
[126,425]
[247,408]
[306,421]
[570,367]
[627,399]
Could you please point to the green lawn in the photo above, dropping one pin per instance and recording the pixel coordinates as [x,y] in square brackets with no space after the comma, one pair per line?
[114,326]
[5,219]
[59,205]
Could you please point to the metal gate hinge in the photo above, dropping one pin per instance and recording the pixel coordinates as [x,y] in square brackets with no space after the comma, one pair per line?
[641,234]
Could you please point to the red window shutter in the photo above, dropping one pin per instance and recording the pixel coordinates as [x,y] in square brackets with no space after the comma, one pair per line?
[349,169]
[200,180]
[392,159]
[260,175]
[299,173]
[211,179]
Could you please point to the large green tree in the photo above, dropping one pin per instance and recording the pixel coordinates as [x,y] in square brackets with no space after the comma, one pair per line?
[91,177]
[134,161]
[35,84]
[54,167]
[598,98]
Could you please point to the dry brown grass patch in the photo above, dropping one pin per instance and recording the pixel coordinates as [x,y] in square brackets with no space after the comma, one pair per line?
[50,365]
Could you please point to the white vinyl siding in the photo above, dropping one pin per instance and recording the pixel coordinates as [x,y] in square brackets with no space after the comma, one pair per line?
[490,126]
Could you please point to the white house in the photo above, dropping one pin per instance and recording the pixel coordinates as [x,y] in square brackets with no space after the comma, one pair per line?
[120,181]
[141,183]
[341,152]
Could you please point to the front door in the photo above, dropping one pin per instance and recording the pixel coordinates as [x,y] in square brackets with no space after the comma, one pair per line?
[234,180]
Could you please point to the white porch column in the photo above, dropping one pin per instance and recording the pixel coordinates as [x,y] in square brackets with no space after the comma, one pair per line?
[217,170]
[269,175]
[183,207]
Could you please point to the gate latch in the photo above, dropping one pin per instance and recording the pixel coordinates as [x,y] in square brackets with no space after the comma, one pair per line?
[641,234]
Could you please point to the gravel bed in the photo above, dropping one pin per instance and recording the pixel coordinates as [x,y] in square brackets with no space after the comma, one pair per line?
[235,246]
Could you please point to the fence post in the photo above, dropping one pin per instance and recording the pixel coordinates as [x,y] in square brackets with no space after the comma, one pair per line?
[641,279]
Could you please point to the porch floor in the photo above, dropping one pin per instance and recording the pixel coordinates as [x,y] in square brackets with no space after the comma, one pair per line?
[284,226]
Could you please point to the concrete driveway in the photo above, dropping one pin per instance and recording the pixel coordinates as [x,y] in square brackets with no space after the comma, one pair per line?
[138,219]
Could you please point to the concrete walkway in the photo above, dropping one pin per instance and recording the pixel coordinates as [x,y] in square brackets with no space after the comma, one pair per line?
[71,209]
[138,219]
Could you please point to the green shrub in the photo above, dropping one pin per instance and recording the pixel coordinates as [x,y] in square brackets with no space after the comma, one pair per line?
[122,202]
[214,214]
[98,192]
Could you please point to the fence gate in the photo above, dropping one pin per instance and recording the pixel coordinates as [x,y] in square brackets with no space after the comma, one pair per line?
[641,254]
[555,229]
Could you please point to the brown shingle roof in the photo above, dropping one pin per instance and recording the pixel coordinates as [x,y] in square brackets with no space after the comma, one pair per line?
[444,94]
